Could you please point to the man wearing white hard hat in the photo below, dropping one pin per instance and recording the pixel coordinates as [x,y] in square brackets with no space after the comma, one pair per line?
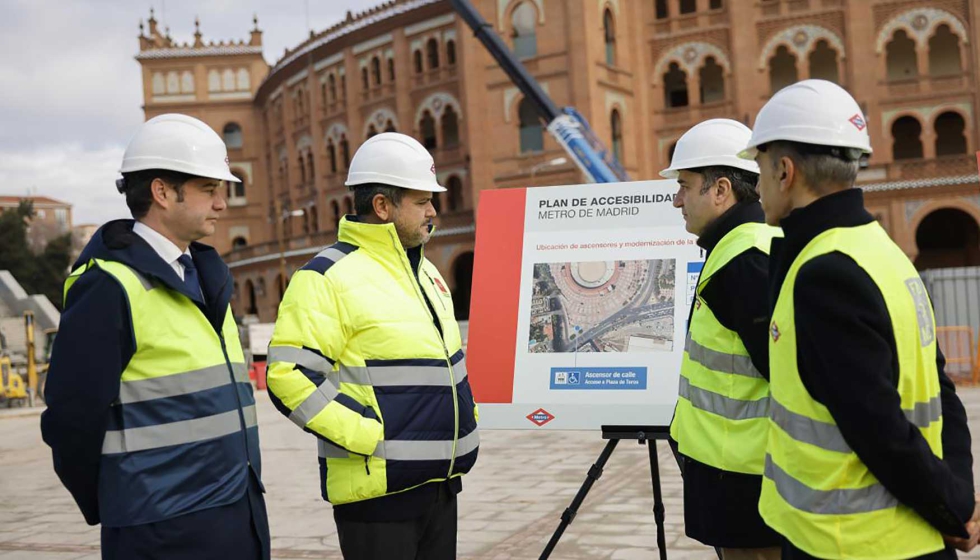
[366,356]
[869,450]
[720,422]
[151,418]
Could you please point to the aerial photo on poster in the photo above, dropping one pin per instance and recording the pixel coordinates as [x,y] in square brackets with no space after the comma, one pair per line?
[603,306]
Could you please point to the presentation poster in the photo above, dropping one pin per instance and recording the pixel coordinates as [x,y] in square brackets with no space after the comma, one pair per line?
[580,300]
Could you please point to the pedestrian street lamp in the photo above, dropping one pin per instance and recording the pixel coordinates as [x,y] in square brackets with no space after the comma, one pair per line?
[550,163]
[280,229]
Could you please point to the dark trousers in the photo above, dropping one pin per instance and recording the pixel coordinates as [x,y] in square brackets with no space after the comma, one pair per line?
[239,530]
[431,536]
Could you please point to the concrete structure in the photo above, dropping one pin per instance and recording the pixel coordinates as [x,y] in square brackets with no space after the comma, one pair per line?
[640,72]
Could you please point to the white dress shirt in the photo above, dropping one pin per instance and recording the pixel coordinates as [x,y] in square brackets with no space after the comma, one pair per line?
[164,247]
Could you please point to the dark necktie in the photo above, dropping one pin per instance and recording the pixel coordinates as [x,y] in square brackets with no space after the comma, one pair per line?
[190,274]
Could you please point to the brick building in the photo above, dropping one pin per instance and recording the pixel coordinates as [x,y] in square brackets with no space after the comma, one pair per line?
[641,72]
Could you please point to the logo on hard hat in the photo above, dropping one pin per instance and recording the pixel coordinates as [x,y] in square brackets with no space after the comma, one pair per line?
[433,169]
[858,122]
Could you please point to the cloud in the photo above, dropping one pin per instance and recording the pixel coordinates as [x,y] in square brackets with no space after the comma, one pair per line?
[72,94]
[84,177]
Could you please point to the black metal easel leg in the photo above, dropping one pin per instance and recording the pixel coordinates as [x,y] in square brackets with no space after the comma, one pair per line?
[569,514]
[658,498]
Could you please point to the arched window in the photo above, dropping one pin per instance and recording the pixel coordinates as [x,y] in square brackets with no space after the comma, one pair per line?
[232,135]
[454,194]
[437,202]
[688,6]
[332,84]
[376,70]
[450,127]
[675,86]
[532,133]
[670,151]
[390,126]
[944,52]
[250,308]
[314,219]
[228,80]
[332,155]
[335,210]
[950,139]
[237,190]
[900,57]
[323,94]
[782,69]
[907,143]
[432,53]
[715,5]
[371,131]
[391,69]
[343,86]
[244,80]
[609,33]
[947,237]
[345,151]
[663,11]
[524,20]
[616,126]
[712,81]
[364,78]
[823,62]
[302,170]
[427,128]
[451,52]
[309,166]
[238,243]
[348,205]
[417,61]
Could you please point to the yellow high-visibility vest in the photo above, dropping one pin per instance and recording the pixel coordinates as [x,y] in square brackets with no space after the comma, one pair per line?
[816,491]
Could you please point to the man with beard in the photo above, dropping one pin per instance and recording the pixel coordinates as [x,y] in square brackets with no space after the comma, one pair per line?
[366,355]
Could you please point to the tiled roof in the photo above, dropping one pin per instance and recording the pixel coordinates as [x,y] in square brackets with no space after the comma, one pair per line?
[921,183]
[185,52]
[15,200]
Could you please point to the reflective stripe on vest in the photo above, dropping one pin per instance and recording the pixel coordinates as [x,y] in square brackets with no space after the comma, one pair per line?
[722,412]
[816,491]
[409,450]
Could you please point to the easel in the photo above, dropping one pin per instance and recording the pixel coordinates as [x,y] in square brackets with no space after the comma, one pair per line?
[643,435]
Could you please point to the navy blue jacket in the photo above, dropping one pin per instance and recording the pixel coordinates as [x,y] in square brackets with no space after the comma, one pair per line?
[94,345]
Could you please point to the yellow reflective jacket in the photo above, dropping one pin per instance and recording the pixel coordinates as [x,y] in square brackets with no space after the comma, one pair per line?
[358,360]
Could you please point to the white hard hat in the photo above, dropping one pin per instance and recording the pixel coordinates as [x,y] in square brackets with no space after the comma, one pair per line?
[394,159]
[814,112]
[709,143]
[178,143]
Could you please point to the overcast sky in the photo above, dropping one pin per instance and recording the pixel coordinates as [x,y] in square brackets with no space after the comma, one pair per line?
[70,89]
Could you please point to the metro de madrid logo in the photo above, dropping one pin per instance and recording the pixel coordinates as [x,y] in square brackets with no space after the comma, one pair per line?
[858,121]
[540,417]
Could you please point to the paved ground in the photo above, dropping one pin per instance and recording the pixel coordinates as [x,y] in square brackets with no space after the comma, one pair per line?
[509,508]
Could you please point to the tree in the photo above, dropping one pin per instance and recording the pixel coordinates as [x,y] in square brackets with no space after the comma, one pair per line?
[37,274]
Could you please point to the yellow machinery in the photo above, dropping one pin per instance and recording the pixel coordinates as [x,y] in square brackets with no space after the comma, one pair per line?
[13,388]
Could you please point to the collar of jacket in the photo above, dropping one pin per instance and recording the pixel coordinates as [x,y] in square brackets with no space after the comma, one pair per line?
[380,240]
[741,213]
[840,209]
[115,241]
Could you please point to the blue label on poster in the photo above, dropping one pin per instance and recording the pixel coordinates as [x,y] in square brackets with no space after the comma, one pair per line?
[695,267]
[622,378]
